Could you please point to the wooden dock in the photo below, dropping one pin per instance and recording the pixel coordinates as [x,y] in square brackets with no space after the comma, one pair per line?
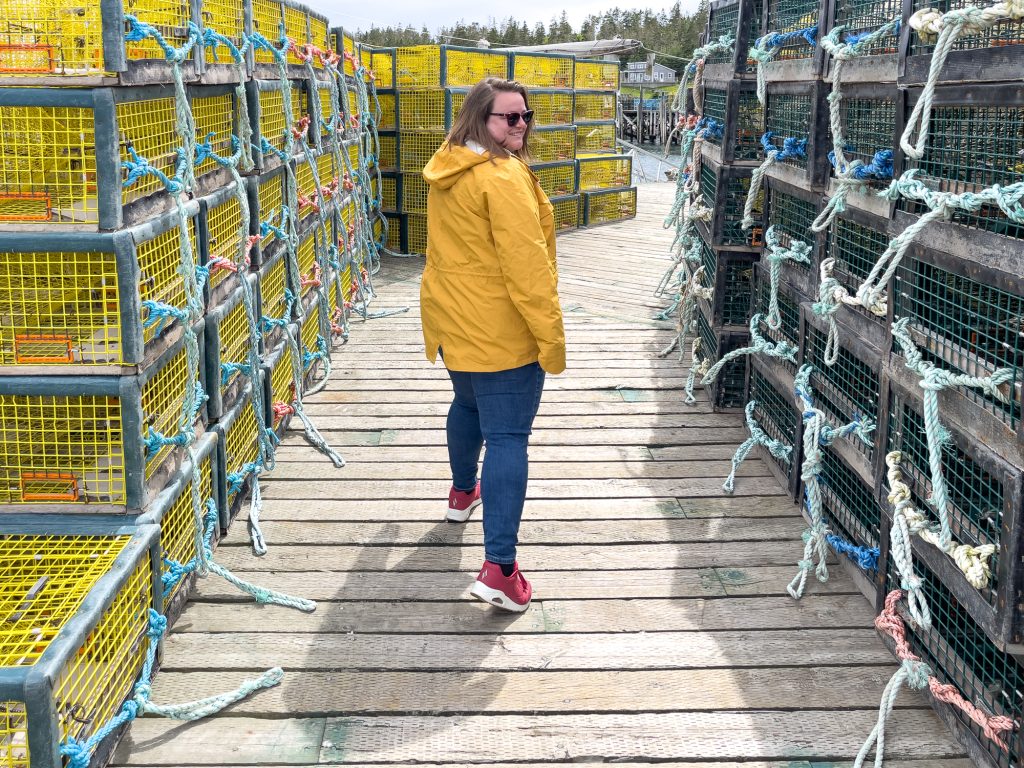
[660,630]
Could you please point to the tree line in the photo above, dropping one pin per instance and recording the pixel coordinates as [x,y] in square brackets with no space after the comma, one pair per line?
[669,32]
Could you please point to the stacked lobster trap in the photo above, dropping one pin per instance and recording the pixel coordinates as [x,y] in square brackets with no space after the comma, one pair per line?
[188,196]
[573,147]
[882,228]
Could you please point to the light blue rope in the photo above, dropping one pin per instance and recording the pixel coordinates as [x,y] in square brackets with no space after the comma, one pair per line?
[766,48]
[792,148]
[758,436]
[759,345]
[798,252]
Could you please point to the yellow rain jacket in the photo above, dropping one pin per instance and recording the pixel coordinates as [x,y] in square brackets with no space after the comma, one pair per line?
[489,296]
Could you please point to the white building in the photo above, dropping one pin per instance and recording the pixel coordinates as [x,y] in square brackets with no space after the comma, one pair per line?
[635,73]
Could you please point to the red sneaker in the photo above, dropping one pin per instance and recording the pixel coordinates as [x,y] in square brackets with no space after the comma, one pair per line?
[462,503]
[512,593]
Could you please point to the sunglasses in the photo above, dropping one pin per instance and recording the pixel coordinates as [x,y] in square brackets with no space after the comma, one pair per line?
[513,117]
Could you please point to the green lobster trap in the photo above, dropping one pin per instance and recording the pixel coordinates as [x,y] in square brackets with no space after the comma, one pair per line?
[601,171]
[974,143]
[566,212]
[724,190]
[967,321]
[728,391]
[414,193]
[849,507]
[438,66]
[879,62]
[788,299]
[172,511]
[238,451]
[738,122]
[417,147]
[789,212]
[788,17]
[594,106]
[74,641]
[993,54]
[550,145]
[742,22]
[270,129]
[730,274]
[80,443]
[266,194]
[796,125]
[226,351]
[869,117]
[984,507]
[771,388]
[596,75]
[595,137]
[542,70]
[63,151]
[74,302]
[604,206]
[556,179]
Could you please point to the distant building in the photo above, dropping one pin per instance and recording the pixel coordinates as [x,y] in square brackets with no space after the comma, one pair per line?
[635,73]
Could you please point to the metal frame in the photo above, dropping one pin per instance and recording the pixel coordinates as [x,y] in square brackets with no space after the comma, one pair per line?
[750,19]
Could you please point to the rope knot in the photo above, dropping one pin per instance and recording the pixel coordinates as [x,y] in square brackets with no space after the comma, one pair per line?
[917,673]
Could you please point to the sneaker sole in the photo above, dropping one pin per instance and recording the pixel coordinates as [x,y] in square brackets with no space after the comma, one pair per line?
[462,515]
[496,597]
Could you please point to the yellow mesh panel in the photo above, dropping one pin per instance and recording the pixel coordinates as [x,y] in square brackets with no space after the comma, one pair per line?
[418,148]
[421,110]
[13,735]
[306,254]
[272,285]
[542,71]
[604,172]
[418,67]
[223,225]
[326,170]
[177,537]
[353,103]
[597,75]
[382,62]
[389,193]
[170,17]
[241,443]
[319,37]
[51,37]
[551,146]
[295,29]
[309,331]
[46,579]
[159,279]
[94,683]
[353,155]
[417,232]
[349,46]
[300,105]
[226,17]
[266,20]
[304,184]
[557,180]
[272,124]
[214,114]
[567,213]
[47,165]
[61,449]
[234,341]
[467,68]
[270,196]
[457,100]
[595,138]
[149,127]
[394,235]
[162,399]
[551,108]
[327,108]
[59,308]
[282,383]
[611,206]
[414,193]
[387,111]
[387,154]
[595,106]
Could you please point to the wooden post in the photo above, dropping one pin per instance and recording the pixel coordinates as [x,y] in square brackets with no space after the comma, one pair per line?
[640,115]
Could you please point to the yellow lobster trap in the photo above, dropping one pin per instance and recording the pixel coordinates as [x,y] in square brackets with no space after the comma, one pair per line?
[556,179]
[438,66]
[226,348]
[414,190]
[313,345]
[279,386]
[389,195]
[278,305]
[425,109]
[416,149]
[62,153]
[566,212]
[608,205]
[543,70]
[275,19]
[74,301]
[596,75]
[388,111]
[593,106]
[387,152]
[315,197]
[76,596]
[550,145]
[595,137]
[80,442]
[222,242]
[551,107]
[238,448]
[416,233]
[270,128]
[382,64]
[266,208]
[600,171]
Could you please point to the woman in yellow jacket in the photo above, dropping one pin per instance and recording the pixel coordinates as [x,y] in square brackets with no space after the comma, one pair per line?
[489,302]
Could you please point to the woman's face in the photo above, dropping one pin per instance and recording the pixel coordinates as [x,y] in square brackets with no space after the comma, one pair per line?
[510,137]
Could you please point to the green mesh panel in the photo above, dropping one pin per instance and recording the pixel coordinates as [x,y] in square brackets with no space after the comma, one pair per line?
[970,327]
[789,16]
[715,104]
[855,249]
[868,127]
[789,314]
[1004,33]
[749,127]
[738,285]
[736,190]
[850,507]
[708,185]
[792,219]
[867,16]
[775,413]
[722,21]
[731,382]
[788,115]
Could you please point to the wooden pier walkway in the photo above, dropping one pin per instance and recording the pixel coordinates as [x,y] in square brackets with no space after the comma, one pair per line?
[660,629]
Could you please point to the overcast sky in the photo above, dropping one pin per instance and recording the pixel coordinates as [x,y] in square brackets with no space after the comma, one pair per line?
[437,13]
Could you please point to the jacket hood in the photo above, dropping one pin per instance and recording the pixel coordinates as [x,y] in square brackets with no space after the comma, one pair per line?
[447,166]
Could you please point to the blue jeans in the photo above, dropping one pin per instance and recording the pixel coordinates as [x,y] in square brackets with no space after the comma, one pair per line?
[497,407]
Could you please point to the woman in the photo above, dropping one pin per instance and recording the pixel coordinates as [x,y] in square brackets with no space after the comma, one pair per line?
[489,302]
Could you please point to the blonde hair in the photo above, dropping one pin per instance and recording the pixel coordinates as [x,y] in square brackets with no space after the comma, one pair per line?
[471,123]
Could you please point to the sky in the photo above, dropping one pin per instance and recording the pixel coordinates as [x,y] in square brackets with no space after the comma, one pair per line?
[437,13]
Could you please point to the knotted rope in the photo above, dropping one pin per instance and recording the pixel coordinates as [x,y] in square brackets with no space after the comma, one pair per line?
[759,345]
[791,148]
[767,48]
[798,252]
[687,302]
[698,367]
[758,436]
[831,296]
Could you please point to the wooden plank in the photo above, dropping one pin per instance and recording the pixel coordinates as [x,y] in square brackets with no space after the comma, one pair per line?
[578,532]
[624,394]
[184,651]
[813,611]
[735,736]
[552,585]
[389,556]
[649,437]
[542,422]
[316,693]
[909,763]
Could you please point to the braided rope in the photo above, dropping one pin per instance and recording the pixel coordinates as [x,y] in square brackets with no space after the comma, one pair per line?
[791,148]
[698,367]
[798,252]
[766,48]
[759,345]
[686,300]
[758,436]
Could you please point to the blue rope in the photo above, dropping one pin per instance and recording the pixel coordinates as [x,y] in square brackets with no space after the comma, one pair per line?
[880,167]
[158,314]
[227,370]
[792,147]
[866,558]
[780,39]
[853,38]
[139,167]
[236,479]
